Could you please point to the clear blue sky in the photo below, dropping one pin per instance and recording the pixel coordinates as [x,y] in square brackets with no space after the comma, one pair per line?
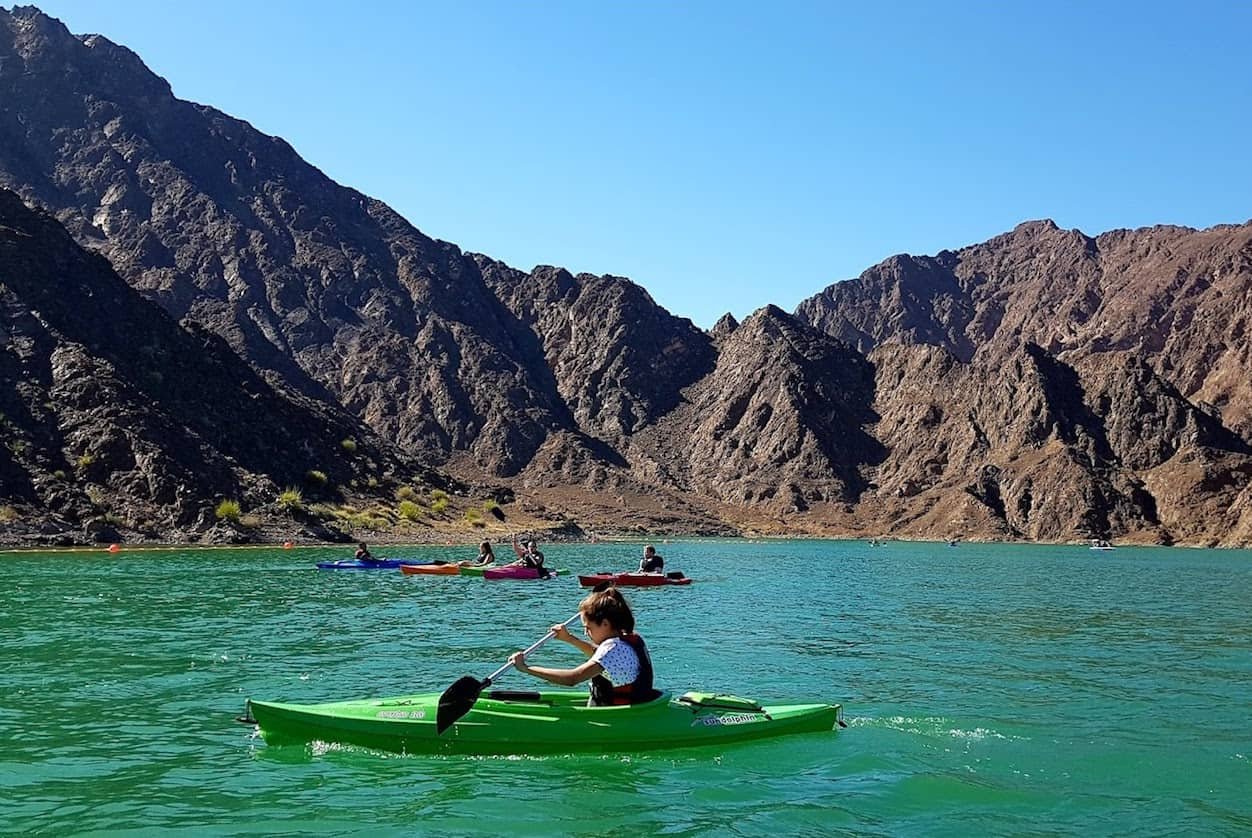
[726,155]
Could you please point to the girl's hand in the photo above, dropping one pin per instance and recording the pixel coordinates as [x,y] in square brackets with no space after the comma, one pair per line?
[518,659]
[560,632]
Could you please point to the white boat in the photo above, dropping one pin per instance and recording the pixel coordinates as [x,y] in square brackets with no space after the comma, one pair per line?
[1101,544]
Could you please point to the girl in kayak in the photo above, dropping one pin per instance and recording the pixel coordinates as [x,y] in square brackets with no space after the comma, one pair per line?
[363,553]
[486,556]
[617,659]
[651,561]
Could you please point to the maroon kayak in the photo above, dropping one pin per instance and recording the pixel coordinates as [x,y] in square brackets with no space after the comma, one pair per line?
[634,580]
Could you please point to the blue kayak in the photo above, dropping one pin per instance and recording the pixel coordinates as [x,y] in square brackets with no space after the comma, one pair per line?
[375,564]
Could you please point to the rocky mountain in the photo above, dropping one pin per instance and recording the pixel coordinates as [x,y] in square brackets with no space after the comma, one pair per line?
[321,288]
[1178,298]
[1136,403]
[620,361]
[1043,384]
[116,418]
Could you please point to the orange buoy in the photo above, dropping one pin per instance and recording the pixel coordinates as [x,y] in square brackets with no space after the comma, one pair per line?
[114,548]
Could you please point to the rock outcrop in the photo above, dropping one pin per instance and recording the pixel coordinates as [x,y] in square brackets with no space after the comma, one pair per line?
[115,418]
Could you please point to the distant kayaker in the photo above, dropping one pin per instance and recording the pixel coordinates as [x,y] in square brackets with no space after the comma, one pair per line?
[651,561]
[363,553]
[617,659]
[486,556]
[528,556]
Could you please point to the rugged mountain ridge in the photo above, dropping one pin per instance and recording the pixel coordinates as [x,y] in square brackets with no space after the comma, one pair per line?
[1043,384]
[318,286]
[117,418]
[1179,298]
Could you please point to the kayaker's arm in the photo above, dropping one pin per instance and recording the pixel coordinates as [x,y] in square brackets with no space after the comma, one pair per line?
[560,632]
[563,677]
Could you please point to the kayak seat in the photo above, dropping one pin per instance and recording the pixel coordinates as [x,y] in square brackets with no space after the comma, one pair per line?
[514,695]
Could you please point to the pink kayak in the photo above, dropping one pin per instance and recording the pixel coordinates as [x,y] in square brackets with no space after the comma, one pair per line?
[634,580]
[519,572]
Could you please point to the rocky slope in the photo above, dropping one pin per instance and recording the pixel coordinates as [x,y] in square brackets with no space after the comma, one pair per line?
[318,286]
[115,419]
[1181,299]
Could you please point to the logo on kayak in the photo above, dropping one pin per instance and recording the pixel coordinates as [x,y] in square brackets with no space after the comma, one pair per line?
[401,714]
[728,719]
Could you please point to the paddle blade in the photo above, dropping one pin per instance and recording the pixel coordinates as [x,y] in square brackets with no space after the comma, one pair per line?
[457,700]
[675,574]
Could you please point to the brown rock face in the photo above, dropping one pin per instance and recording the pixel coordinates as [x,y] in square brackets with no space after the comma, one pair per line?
[1180,299]
[113,412]
[620,361]
[779,422]
[1095,431]
[317,285]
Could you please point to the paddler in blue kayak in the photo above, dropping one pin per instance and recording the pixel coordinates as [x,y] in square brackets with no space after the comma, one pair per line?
[651,561]
[617,659]
[363,553]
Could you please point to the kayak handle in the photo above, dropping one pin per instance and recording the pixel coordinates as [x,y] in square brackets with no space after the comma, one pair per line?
[490,679]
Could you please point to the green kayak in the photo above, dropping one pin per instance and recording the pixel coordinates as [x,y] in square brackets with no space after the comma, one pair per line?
[514,722]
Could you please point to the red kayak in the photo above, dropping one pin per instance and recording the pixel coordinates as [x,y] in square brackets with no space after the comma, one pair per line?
[634,580]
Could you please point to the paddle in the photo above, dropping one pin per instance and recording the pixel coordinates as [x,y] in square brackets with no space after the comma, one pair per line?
[457,699]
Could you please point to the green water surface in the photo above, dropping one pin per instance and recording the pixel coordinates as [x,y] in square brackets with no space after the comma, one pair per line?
[989,689]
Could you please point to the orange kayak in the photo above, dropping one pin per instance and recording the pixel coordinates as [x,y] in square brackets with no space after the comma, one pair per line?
[431,569]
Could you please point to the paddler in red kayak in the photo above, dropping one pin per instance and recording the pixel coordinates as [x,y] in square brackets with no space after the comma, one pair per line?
[617,659]
[651,561]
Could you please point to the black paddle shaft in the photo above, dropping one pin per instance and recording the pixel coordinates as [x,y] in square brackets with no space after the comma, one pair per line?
[457,699]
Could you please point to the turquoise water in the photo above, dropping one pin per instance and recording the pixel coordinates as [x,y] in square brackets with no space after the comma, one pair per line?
[989,689]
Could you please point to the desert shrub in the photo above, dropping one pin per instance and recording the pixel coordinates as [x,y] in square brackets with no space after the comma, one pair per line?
[348,445]
[372,482]
[406,493]
[58,474]
[291,500]
[438,494]
[252,522]
[8,513]
[473,515]
[438,505]
[315,478]
[322,511]
[228,510]
[409,511]
[85,461]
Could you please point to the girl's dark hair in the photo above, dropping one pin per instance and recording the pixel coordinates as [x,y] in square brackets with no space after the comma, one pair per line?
[485,547]
[608,606]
